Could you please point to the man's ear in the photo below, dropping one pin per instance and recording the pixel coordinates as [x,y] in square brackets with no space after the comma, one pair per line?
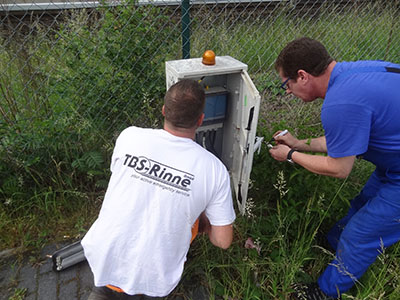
[303,76]
[200,120]
[163,110]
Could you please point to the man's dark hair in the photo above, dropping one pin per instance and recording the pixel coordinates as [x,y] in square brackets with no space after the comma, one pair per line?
[303,53]
[184,103]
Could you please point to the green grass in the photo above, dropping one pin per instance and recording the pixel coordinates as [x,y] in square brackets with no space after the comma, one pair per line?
[19,294]
[368,32]
[285,222]
[65,98]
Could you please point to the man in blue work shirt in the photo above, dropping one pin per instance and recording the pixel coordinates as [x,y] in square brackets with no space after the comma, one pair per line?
[360,117]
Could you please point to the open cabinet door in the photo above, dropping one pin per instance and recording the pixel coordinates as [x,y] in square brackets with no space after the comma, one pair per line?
[249,106]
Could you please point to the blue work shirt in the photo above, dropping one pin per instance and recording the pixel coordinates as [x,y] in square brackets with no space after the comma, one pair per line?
[361,110]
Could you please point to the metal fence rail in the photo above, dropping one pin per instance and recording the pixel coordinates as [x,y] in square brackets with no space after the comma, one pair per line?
[71,78]
[40,5]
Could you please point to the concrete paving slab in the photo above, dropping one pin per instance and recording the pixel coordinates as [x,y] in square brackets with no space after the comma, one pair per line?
[8,272]
[47,286]
[69,290]
[27,278]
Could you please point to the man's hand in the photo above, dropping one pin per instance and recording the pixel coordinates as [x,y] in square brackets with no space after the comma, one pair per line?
[279,152]
[288,139]
[307,145]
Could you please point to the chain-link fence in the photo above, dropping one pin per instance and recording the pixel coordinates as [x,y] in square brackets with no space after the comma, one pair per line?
[73,74]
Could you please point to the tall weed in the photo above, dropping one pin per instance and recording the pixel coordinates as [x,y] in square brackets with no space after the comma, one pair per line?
[66,97]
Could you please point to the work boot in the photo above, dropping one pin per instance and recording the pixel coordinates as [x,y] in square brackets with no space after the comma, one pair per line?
[323,242]
[309,291]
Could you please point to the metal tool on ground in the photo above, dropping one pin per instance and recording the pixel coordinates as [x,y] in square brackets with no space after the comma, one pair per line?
[68,256]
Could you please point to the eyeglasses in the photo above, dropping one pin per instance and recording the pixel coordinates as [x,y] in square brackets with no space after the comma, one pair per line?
[284,84]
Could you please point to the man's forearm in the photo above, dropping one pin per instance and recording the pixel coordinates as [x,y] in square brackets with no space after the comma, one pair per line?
[312,145]
[325,165]
[221,236]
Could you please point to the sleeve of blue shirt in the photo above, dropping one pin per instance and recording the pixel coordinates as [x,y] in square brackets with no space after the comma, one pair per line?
[347,129]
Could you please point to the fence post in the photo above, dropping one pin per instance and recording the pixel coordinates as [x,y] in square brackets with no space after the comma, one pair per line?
[185,29]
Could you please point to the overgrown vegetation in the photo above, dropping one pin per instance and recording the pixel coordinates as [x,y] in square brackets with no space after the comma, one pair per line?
[66,92]
[65,96]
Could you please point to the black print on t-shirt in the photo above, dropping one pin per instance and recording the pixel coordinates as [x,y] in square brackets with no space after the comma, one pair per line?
[159,172]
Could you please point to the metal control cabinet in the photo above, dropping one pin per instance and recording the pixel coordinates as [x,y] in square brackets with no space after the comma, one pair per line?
[231,114]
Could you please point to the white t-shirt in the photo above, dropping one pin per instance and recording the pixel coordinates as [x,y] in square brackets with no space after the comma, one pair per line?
[159,186]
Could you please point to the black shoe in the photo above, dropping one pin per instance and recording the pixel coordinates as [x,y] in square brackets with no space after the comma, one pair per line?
[309,291]
[322,241]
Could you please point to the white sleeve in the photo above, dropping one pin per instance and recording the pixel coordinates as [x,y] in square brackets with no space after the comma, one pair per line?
[220,209]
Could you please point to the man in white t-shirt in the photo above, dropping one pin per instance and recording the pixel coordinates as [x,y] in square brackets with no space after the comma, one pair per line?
[161,183]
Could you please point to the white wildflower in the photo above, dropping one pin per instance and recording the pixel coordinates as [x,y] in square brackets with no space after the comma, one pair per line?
[248,209]
[281,184]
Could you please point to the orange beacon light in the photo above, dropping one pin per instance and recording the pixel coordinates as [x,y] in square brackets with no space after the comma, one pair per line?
[208,57]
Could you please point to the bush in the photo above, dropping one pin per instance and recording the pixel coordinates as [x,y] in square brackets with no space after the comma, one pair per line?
[69,93]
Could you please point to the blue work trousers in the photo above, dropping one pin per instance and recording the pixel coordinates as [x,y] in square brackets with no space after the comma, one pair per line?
[372,224]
